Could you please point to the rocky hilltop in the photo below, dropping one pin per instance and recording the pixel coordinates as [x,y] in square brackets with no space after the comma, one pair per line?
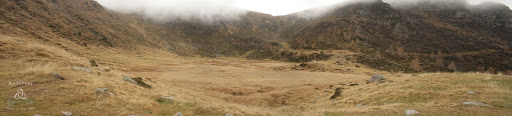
[451,36]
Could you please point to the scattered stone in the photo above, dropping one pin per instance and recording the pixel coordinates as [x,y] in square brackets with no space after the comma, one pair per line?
[129,79]
[312,101]
[58,76]
[178,114]
[93,63]
[360,105]
[37,115]
[66,113]
[469,103]
[506,76]
[139,82]
[104,91]
[471,92]
[411,112]
[377,78]
[82,69]
[228,114]
[168,98]
[337,93]
[324,94]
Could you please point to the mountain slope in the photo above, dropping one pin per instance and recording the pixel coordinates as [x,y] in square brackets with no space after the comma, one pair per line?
[474,38]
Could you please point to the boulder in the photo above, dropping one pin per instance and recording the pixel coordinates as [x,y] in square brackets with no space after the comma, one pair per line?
[93,63]
[411,112]
[66,113]
[58,76]
[82,69]
[473,103]
[178,114]
[168,98]
[104,91]
[129,79]
[377,78]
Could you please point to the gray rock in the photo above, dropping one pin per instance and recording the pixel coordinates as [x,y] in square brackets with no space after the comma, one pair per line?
[66,113]
[178,114]
[377,78]
[57,75]
[506,76]
[473,103]
[129,79]
[104,91]
[168,98]
[228,114]
[359,105]
[324,94]
[411,112]
[471,92]
[82,69]
[37,115]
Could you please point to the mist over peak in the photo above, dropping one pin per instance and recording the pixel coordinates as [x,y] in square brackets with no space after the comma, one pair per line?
[167,10]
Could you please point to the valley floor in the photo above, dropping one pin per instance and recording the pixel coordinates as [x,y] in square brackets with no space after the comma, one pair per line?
[58,78]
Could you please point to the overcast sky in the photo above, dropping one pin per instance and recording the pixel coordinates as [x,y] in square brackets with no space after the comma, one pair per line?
[213,9]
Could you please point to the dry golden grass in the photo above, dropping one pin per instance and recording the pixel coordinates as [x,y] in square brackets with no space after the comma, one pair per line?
[228,85]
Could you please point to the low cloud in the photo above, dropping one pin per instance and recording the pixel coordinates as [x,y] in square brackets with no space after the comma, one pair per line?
[166,10]
[216,10]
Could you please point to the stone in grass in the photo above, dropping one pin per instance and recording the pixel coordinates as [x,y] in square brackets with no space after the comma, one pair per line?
[58,76]
[136,80]
[66,113]
[129,79]
[178,114]
[82,69]
[228,114]
[93,63]
[377,78]
[471,92]
[473,103]
[411,112]
[141,83]
[104,91]
[337,93]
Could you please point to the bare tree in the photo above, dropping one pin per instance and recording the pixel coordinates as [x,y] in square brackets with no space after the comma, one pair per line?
[415,64]
[439,59]
[491,70]
[452,66]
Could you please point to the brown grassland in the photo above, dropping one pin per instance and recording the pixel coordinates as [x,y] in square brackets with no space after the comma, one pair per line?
[213,87]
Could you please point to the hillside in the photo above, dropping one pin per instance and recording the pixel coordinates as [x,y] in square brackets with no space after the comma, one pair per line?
[474,38]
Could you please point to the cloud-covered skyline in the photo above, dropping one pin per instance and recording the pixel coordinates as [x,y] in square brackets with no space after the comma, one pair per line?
[211,10]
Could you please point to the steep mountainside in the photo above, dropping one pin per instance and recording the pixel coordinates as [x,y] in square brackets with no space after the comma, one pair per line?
[428,37]
[470,36]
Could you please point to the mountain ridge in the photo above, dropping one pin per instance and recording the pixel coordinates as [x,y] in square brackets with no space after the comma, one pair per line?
[479,34]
